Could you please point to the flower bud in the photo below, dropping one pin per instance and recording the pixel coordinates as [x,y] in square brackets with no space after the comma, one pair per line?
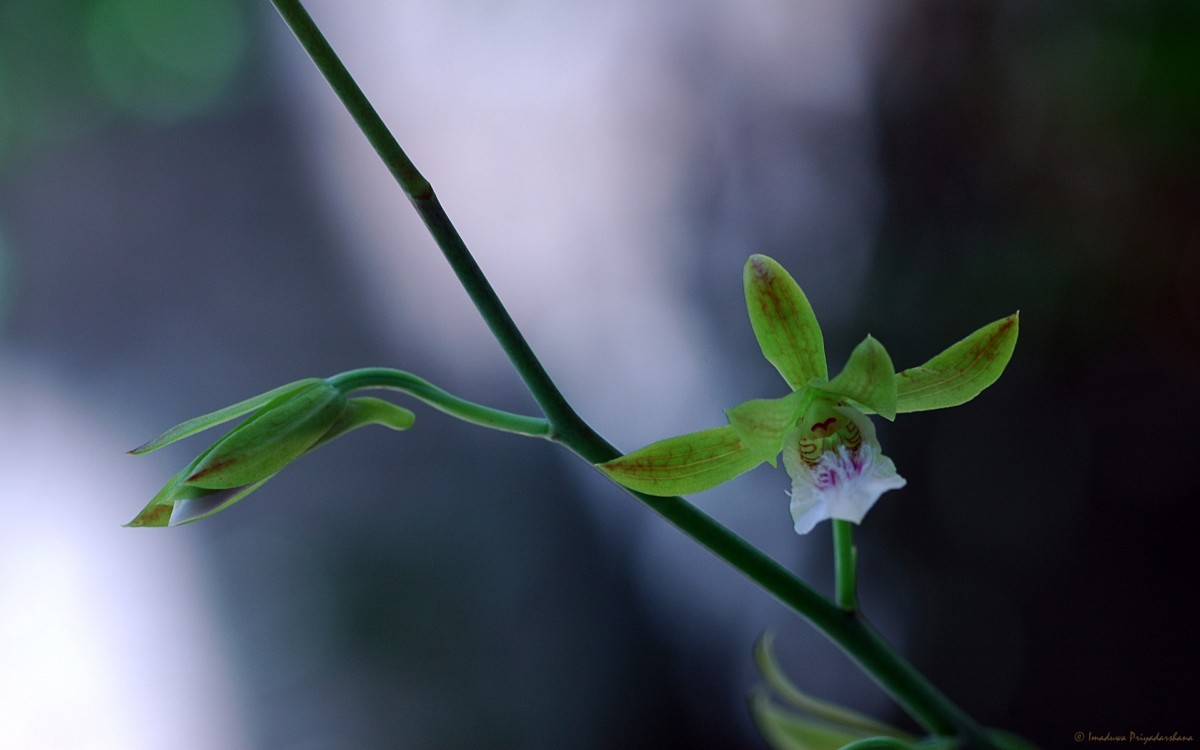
[286,423]
[273,437]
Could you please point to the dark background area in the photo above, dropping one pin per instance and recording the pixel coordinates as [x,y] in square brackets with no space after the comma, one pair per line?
[165,249]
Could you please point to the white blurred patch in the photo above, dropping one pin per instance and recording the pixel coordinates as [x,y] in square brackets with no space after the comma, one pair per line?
[106,639]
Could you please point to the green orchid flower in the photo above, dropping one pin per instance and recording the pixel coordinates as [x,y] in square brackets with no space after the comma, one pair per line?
[829,446]
[286,423]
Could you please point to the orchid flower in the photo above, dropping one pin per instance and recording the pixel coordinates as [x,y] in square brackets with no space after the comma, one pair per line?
[828,444]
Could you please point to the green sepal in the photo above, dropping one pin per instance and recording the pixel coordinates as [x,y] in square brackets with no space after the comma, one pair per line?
[271,438]
[961,372]
[783,322]
[201,423]
[365,410]
[194,507]
[158,511]
[684,464]
[763,423]
[868,379]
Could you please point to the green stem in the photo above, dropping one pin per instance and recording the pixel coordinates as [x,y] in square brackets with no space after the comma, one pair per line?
[845,559]
[420,193]
[469,411]
[873,654]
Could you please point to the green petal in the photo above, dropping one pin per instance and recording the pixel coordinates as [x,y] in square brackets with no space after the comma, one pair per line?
[199,424]
[762,423]
[274,436]
[869,379]
[783,322]
[961,372]
[685,464]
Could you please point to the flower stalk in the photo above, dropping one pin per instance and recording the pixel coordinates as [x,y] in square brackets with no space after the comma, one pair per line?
[845,564]
[796,359]
[397,380]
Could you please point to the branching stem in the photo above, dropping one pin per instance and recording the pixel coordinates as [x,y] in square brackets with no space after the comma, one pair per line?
[848,629]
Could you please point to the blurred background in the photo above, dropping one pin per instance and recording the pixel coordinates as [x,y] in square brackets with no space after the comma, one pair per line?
[187,218]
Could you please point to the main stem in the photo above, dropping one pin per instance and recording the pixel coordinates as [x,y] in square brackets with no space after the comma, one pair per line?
[907,686]
[420,193]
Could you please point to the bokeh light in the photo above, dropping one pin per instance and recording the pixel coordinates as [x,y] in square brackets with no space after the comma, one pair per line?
[165,59]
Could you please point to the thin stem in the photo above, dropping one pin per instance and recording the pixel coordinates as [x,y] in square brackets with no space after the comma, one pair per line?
[873,654]
[469,411]
[420,193]
[845,559]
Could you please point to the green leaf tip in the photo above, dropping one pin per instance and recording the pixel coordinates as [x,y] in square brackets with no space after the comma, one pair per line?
[783,322]
[962,371]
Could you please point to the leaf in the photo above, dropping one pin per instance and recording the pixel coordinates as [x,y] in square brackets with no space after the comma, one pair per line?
[833,714]
[868,379]
[961,372]
[891,743]
[274,436]
[783,322]
[784,730]
[763,423]
[201,423]
[685,464]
